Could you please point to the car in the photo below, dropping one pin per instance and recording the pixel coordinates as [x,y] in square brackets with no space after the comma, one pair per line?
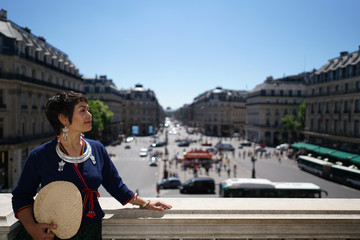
[198,185]
[283,147]
[207,144]
[184,144]
[158,144]
[246,144]
[169,183]
[224,146]
[153,161]
[127,147]
[260,149]
[129,139]
[143,152]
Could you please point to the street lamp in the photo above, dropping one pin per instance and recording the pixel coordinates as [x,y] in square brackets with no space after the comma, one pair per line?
[253,159]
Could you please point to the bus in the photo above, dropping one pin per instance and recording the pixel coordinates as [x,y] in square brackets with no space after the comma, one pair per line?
[345,175]
[336,172]
[315,166]
[264,188]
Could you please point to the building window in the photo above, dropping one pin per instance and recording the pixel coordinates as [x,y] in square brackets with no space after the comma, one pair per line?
[311,124]
[357,128]
[327,107]
[357,106]
[336,109]
[346,106]
[345,127]
[1,127]
[327,125]
[336,127]
[319,125]
[299,93]
[358,85]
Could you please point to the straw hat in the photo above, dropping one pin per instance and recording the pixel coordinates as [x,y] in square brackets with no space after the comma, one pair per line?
[60,203]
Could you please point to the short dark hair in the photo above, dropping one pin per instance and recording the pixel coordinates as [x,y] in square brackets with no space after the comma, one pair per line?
[62,103]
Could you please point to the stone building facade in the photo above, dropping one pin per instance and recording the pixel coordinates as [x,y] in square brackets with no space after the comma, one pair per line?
[268,103]
[219,112]
[31,70]
[333,104]
[143,113]
[103,89]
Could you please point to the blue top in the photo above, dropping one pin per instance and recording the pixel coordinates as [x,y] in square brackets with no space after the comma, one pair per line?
[41,167]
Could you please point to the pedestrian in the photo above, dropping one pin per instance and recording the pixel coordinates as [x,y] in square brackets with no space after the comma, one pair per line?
[71,158]
[235,170]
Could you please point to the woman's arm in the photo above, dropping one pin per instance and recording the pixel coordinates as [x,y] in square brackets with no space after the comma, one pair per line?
[38,231]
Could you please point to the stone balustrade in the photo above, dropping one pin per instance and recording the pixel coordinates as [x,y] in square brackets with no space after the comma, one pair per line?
[221,218]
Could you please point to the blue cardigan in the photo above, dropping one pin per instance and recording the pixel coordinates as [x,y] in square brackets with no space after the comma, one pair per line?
[41,168]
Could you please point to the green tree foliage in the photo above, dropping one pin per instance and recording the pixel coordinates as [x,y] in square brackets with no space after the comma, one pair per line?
[291,126]
[302,114]
[101,115]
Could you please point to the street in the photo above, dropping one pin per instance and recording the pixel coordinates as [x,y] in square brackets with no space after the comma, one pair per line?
[139,176]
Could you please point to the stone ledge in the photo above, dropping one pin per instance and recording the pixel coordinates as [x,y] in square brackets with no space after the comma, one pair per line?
[221,218]
[236,218]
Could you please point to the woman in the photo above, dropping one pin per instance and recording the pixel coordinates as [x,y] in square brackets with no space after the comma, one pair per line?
[70,157]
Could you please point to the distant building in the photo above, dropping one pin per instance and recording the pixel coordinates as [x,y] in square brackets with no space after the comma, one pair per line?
[333,104]
[143,114]
[31,70]
[268,103]
[103,89]
[219,112]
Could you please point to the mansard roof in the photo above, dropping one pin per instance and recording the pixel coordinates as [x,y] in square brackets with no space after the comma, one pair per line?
[24,37]
[345,59]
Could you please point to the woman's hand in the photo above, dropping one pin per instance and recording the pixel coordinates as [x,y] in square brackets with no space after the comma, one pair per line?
[158,206]
[41,231]
[38,231]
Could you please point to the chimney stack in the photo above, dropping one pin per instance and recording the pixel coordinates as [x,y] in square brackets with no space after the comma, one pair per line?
[3,14]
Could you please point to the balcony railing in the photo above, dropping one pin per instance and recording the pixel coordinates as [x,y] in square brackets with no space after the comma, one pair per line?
[221,218]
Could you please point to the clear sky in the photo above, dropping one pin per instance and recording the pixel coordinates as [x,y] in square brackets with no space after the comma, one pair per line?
[182,48]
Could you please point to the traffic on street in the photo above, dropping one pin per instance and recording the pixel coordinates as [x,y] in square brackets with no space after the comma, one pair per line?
[154,166]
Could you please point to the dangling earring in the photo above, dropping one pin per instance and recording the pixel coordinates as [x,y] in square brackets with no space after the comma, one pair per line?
[65,131]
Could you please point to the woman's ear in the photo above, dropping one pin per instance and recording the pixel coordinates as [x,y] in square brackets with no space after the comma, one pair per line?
[63,119]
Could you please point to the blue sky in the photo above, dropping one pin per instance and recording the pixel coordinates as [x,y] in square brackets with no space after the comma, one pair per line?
[182,48]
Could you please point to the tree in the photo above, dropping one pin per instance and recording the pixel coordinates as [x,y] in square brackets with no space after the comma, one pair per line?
[302,114]
[101,115]
[291,126]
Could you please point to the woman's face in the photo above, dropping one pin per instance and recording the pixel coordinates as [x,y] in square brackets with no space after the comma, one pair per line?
[81,121]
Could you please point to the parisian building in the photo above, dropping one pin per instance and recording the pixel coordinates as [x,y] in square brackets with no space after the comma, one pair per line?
[103,89]
[31,71]
[143,113]
[333,104]
[268,103]
[219,112]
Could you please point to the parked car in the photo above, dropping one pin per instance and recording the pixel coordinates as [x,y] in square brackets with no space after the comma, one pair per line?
[184,144]
[246,144]
[127,147]
[198,185]
[224,146]
[206,144]
[143,152]
[158,144]
[169,183]
[153,161]
[283,147]
[129,139]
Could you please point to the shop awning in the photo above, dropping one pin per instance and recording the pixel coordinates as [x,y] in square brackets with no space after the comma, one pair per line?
[307,146]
